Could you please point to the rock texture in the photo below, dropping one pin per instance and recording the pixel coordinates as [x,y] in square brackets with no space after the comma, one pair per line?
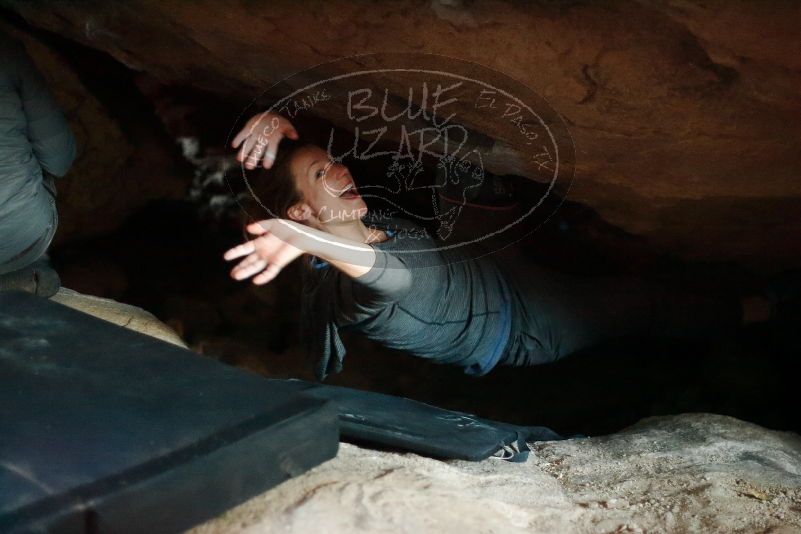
[687,473]
[118,313]
[105,184]
[684,113]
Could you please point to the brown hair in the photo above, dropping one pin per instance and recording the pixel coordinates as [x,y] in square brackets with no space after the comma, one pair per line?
[273,191]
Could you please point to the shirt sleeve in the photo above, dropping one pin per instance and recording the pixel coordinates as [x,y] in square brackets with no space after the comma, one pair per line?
[362,297]
[48,130]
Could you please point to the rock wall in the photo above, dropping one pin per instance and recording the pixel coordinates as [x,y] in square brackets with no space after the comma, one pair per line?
[684,114]
[120,166]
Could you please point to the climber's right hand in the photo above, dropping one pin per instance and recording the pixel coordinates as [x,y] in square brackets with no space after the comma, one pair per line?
[260,137]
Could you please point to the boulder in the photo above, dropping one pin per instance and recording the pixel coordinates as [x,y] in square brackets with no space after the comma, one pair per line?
[121,314]
[680,111]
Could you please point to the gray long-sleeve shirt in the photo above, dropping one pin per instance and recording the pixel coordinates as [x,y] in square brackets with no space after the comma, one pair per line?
[34,137]
[439,304]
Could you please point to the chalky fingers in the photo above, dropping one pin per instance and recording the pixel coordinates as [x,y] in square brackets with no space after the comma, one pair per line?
[240,250]
[245,270]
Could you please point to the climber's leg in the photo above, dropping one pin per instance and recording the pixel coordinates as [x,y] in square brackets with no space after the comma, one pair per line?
[562,313]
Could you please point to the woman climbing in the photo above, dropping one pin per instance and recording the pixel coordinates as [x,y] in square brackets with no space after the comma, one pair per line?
[389,280]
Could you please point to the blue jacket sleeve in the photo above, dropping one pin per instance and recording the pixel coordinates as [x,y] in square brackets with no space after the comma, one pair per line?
[362,297]
[48,131]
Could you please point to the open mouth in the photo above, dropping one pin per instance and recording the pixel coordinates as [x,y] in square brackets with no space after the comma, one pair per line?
[349,192]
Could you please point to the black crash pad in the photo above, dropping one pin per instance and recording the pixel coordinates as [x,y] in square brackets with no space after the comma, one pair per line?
[408,424]
[107,430]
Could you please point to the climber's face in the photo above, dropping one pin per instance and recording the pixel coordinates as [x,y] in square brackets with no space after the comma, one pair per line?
[327,188]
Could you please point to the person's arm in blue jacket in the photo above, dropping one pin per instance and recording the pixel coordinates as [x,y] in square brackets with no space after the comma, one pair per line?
[362,297]
[371,278]
[48,131]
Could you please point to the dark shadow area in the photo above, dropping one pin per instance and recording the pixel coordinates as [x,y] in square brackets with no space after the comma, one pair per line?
[167,258]
[171,260]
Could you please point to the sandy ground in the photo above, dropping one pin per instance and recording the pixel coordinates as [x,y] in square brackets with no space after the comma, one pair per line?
[686,473]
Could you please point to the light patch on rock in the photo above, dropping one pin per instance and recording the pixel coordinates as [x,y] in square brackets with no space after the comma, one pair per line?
[118,313]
